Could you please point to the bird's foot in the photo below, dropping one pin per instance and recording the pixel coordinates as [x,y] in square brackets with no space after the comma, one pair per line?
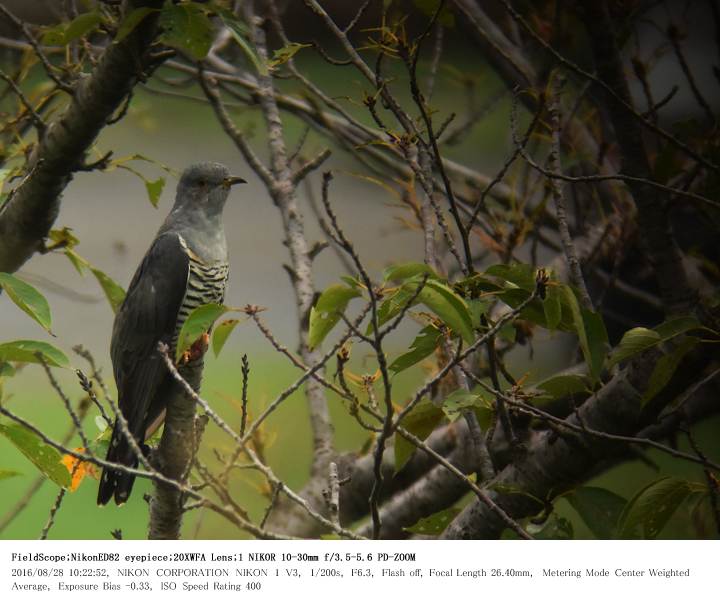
[197,350]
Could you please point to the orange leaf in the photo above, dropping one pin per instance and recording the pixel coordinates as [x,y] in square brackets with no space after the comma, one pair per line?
[79,469]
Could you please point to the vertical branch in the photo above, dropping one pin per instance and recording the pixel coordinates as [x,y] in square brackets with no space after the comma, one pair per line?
[174,457]
[661,247]
[376,342]
[556,186]
[333,495]
[283,192]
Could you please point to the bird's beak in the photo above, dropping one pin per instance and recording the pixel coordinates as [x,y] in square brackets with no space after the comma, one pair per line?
[233,180]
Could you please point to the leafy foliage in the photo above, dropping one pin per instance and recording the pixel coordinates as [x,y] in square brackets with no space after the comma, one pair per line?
[78,469]
[327,311]
[422,347]
[666,366]
[241,34]
[651,508]
[421,421]
[113,292]
[222,332]
[187,28]
[199,322]
[80,26]
[591,332]
[132,20]
[599,509]
[560,386]
[27,351]
[45,457]
[284,54]
[154,190]
[477,400]
[641,338]
[28,299]
[434,524]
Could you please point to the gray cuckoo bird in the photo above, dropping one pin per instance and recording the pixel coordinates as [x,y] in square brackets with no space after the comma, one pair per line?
[185,267]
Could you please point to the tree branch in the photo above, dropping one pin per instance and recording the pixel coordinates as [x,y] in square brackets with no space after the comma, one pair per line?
[32,208]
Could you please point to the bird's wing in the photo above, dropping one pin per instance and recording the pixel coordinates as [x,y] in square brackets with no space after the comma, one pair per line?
[148,315]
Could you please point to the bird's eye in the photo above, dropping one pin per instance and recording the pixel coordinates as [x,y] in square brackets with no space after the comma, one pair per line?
[202,182]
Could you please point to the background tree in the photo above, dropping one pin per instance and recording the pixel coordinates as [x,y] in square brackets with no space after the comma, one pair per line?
[600,223]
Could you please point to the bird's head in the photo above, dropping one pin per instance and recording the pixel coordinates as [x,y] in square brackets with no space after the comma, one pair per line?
[205,186]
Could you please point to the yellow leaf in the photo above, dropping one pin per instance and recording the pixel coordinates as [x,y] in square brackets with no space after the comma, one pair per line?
[79,469]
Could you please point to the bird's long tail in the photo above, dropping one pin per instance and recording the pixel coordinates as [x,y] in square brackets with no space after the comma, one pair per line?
[117,482]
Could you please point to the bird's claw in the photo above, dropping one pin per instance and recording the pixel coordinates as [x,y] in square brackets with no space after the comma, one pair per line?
[197,349]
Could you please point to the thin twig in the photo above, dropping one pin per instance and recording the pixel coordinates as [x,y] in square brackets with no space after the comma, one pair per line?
[245,374]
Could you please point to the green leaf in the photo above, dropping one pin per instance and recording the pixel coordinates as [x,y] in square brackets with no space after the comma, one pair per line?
[28,299]
[403,272]
[63,34]
[633,342]
[434,524]
[75,260]
[4,474]
[284,54]
[24,351]
[421,421]
[552,307]
[63,238]
[591,333]
[597,341]
[447,305]
[199,322]
[239,33]
[154,190]
[81,25]
[392,306]
[477,309]
[4,173]
[6,370]
[560,386]
[187,28]
[521,275]
[46,458]
[638,339]
[113,292]
[653,506]
[423,346]
[599,509]
[222,332]
[461,400]
[676,326]
[55,36]
[132,21]
[665,368]
[352,282]
[101,424]
[327,311]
